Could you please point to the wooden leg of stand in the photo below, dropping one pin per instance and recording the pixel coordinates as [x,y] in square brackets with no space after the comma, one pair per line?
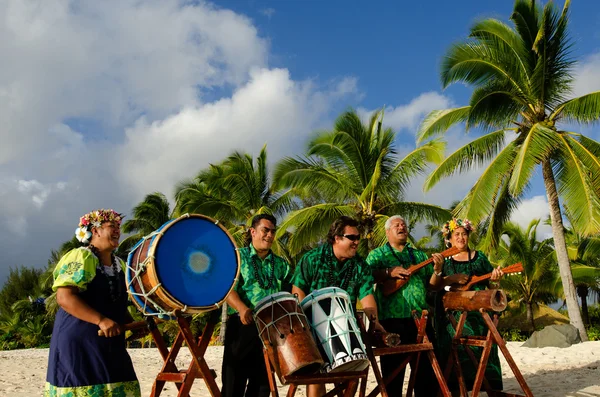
[485,355]
[271,375]
[169,361]
[198,351]
[414,365]
[511,363]
[351,388]
[292,390]
[363,385]
[438,374]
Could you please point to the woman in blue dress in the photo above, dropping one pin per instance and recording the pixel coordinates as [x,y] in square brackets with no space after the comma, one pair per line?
[90,289]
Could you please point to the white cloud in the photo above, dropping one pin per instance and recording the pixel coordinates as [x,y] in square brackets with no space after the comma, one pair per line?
[587,76]
[62,59]
[147,73]
[532,208]
[271,109]
[408,117]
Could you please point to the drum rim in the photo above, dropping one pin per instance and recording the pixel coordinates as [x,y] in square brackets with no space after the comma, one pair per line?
[162,292]
[312,296]
[283,296]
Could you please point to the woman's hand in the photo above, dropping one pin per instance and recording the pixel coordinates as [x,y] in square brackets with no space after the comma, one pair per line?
[497,274]
[109,328]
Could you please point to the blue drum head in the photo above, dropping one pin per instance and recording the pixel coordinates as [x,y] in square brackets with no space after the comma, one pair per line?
[196,261]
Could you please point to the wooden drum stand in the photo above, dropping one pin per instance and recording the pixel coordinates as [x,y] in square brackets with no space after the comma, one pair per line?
[481,302]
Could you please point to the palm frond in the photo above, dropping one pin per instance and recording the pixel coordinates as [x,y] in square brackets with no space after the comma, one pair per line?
[439,121]
[537,147]
[310,225]
[478,151]
[584,109]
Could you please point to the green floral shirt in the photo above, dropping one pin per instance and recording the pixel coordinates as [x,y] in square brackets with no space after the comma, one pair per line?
[76,269]
[412,296]
[319,265]
[260,278]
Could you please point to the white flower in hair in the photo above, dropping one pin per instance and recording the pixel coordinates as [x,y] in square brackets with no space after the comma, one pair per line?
[97,224]
[82,234]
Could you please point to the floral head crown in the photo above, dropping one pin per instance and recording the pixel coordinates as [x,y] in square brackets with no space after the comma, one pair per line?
[95,219]
[454,224]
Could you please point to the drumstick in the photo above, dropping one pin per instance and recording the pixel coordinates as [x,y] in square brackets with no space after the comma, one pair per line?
[394,284]
[129,326]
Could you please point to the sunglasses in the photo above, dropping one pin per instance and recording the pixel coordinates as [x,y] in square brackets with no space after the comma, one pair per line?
[352,237]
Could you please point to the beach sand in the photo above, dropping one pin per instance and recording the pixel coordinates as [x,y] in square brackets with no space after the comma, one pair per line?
[573,371]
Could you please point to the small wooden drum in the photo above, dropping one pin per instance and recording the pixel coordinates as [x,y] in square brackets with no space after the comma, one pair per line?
[286,335]
[335,329]
[189,265]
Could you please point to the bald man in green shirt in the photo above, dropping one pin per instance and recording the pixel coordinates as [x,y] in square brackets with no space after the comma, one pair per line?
[395,311]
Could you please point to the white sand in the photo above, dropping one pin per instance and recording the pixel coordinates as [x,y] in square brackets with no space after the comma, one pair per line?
[574,371]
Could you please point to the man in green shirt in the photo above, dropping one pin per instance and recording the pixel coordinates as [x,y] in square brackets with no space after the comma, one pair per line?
[262,273]
[336,264]
[395,311]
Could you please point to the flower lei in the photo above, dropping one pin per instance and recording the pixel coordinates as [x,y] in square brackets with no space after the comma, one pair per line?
[95,219]
[454,224]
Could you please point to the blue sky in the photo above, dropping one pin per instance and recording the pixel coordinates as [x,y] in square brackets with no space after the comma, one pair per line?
[105,102]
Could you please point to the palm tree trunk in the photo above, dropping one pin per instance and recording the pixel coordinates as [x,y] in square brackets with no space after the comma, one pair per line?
[582,291]
[223,328]
[560,245]
[530,319]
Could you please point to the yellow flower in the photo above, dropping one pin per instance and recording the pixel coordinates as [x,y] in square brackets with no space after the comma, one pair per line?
[453,225]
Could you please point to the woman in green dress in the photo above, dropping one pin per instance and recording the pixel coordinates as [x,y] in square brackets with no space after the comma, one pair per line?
[457,270]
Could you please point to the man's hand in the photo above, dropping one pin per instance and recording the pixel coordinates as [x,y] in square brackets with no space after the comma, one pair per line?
[399,272]
[246,316]
[109,328]
[375,326]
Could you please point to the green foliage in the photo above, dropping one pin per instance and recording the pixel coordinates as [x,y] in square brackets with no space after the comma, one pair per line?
[514,335]
[356,171]
[521,77]
[593,333]
[21,283]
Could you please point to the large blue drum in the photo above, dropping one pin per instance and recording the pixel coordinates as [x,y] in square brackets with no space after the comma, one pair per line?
[189,265]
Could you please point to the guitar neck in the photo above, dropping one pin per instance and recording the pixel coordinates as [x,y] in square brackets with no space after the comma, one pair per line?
[516,268]
[449,252]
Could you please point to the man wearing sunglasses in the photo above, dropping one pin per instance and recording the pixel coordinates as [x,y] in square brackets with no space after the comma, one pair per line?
[395,311]
[336,264]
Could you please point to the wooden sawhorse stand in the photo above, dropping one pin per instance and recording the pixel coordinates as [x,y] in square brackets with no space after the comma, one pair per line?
[345,382]
[198,368]
[493,336]
[413,355]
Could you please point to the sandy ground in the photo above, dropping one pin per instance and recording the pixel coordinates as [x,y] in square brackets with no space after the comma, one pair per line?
[574,371]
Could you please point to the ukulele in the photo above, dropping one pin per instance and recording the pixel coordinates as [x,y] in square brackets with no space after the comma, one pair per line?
[392,285]
[512,269]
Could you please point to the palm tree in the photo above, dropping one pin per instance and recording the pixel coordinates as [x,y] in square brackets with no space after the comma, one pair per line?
[536,283]
[584,251]
[233,191]
[148,216]
[356,171]
[521,78]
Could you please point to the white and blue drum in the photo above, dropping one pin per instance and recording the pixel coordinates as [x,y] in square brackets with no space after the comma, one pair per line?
[189,265]
[335,330]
